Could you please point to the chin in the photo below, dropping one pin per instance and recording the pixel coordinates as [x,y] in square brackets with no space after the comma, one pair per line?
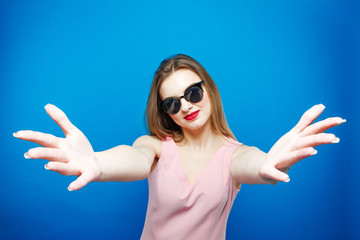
[194,125]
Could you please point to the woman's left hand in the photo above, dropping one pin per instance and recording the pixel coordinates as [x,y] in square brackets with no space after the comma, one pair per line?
[298,144]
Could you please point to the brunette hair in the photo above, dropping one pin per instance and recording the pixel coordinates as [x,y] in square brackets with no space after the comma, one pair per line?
[160,123]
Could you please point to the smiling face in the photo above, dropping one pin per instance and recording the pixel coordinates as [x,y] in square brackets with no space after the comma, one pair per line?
[173,76]
[192,116]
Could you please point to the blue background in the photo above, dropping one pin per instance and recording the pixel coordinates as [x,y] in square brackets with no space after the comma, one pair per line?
[272,60]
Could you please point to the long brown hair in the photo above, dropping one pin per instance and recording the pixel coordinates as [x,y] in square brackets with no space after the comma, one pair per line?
[159,123]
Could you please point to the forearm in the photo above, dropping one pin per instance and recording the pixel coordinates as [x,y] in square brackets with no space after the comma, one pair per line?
[246,167]
[122,163]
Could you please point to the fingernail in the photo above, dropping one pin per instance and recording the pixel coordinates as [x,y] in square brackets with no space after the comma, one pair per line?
[342,121]
[287,180]
[47,105]
[16,135]
[322,105]
[26,156]
[314,153]
[337,140]
[70,189]
[46,167]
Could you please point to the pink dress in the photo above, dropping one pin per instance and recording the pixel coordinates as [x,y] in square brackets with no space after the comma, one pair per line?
[178,209]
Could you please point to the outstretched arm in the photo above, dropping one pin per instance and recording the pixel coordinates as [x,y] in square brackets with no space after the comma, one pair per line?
[252,166]
[129,163]
[74,155]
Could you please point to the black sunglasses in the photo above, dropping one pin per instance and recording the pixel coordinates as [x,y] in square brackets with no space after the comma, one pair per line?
[193,94]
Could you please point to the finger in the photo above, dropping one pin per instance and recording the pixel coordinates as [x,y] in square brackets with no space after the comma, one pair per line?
[43,139]
[322,126]
[80,182]
[269,172]
[285,169]
[309,117]
[62,168]
[315,140]
[293,157]
[60,118]
[51,154]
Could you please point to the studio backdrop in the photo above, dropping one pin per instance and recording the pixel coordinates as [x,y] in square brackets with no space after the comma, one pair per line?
[271,60]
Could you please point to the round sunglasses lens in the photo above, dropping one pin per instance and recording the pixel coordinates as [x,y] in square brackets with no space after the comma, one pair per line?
[194,94]
[171,106]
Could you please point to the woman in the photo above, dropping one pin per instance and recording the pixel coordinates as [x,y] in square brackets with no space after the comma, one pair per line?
[193,163]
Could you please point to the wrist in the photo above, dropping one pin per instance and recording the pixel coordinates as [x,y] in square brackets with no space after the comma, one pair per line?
[97,168]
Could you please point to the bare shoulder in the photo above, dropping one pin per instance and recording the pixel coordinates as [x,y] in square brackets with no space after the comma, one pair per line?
[150,143]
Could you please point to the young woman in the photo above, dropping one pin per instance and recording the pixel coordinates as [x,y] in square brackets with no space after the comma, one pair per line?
[193,163]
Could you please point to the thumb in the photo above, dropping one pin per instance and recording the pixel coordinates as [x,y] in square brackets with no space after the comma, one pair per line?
[80,182]
[269,172]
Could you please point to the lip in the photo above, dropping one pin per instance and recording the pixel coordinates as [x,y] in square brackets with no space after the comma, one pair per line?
[192,115]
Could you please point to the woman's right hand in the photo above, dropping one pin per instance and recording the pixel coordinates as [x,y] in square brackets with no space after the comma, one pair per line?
[72,155]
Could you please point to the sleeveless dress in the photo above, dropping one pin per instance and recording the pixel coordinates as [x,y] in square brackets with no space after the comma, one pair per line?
[178,209]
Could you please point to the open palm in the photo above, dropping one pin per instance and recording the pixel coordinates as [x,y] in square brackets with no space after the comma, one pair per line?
[298,144]
[72,155]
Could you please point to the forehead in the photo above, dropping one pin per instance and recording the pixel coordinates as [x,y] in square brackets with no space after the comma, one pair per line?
[177,82]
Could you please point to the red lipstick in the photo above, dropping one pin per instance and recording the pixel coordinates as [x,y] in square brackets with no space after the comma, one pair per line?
[192,115]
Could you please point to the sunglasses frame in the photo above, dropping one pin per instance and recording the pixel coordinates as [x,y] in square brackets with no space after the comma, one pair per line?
[198,84]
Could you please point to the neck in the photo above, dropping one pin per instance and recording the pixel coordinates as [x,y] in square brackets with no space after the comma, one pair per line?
[202,138]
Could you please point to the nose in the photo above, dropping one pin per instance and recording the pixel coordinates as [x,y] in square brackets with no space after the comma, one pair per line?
[185,105]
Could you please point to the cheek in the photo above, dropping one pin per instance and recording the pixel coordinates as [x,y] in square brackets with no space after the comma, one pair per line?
[176,117]
[204,103]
